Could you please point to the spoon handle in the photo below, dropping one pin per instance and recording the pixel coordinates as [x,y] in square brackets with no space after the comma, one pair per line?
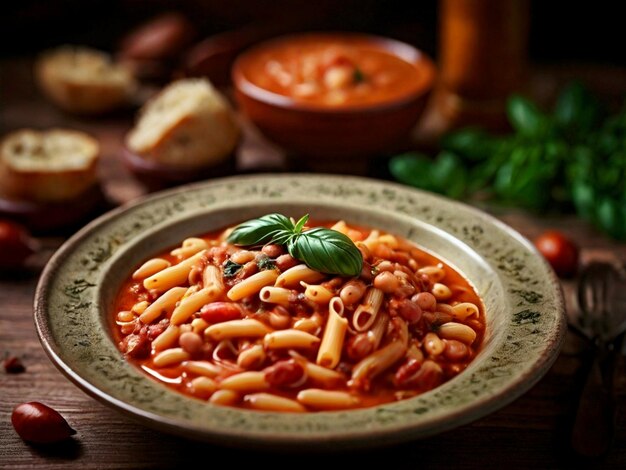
[594,423]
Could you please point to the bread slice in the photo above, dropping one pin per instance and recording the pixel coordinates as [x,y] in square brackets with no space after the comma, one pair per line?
[84,81]
[47,166]
[189,124]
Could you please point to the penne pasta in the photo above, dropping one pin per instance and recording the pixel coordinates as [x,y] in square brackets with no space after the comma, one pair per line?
[224,397]
[190,247]
[212,277]
[316,293]
[326,399]
[247,328]
[252,357]
[198,325]
[379,328]
[382,359]
[323,375]
[372,240]
[164,305]
[365,314]
[294,276]
[140,307]
[275,295]
[245,382]
[288,339]
[173,276]
[310,325]
[151,267]
[340,226]
[334,334]
[168,338]
[193,303]
[204,368]
[270,402]
[389,240]
[170,357]
[203,386]
[253,284]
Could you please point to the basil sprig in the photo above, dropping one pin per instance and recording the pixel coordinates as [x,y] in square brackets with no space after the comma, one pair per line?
[322,249]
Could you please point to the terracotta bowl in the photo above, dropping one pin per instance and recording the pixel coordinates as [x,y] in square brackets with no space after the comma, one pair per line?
[346,132]
[525,322]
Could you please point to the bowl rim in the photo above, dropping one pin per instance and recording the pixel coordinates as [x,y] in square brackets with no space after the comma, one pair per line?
[335,439]
[400,49]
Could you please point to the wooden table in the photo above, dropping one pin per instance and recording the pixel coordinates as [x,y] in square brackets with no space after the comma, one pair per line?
[532,432]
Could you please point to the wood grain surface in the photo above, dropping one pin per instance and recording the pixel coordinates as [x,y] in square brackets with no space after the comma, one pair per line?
[532,432]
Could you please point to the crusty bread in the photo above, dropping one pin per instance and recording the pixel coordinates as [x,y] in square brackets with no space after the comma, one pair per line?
[47,166]
[189,124]
[83,81]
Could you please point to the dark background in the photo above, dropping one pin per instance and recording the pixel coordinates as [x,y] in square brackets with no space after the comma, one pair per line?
[561,31]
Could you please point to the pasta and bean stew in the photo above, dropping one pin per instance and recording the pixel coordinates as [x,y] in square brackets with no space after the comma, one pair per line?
[287,321]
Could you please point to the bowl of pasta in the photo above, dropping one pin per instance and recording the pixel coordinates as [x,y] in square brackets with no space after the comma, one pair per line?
[317,310]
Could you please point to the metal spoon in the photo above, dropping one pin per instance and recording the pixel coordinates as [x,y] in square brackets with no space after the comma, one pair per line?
[599,295]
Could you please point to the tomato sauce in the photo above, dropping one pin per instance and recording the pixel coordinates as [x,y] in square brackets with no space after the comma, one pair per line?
[337,71]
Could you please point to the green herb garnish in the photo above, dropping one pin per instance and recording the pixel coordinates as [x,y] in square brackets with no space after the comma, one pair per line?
[322,249]
[358,76]
[571,158]
[265,262]
[231,268]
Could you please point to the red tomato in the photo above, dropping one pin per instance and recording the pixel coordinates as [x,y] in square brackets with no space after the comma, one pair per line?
[560,251]
[16,244]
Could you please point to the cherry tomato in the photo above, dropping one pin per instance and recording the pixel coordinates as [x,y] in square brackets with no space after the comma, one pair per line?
[560,251]
[16,244]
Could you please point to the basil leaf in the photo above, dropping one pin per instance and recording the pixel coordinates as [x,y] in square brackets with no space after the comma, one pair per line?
[471,144]
[327,251]
[269,228]
[448,174]
[525,117]
[412,169]
[231,268]
[577,109]
[301,223]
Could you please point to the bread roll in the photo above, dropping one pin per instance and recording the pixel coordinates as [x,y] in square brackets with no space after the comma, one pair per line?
[84,81]
[189,124]
[47,166]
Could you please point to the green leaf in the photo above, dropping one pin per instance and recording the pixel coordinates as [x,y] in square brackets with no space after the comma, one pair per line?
[301,223]
[327,251]
[583,196]
[358,76]
[265,262]
[525,117]
[270,227]
[471,144]
[412,169]
[231,268]
[577,110]
[448,175]
[610,217]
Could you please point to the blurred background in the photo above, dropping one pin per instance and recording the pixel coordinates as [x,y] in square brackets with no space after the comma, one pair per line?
[560,31]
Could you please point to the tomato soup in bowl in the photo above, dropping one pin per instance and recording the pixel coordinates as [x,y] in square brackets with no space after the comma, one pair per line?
[334,94]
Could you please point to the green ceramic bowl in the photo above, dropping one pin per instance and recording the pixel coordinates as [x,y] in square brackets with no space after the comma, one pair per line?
[524,307]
